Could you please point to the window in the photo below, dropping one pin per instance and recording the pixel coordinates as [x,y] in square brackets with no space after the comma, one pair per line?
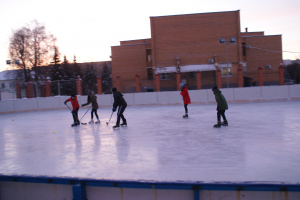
[193,75]
[244,69]
[244,48]
[149,55]
[150,73]
[224,71]
[3,85]
[164,76]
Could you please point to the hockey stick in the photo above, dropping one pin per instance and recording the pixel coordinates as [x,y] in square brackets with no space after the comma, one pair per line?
[109,118]
[75,115]
[85,113]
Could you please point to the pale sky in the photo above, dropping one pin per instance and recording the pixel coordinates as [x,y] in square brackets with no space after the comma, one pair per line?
[89,28]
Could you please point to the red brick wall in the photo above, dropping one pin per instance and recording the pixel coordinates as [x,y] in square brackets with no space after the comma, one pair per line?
[127,61]
[252,33]
[258,57]
[194,38]
[141,41]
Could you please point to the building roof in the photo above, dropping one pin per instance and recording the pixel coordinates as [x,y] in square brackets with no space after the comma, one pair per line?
[8,75]
[194,13]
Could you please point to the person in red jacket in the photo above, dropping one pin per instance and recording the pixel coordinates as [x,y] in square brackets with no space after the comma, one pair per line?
[75,106]
[186,98]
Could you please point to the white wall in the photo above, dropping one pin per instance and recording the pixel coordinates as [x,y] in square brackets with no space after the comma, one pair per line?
[246,94]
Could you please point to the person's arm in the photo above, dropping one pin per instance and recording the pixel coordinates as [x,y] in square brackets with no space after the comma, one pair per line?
[69,99]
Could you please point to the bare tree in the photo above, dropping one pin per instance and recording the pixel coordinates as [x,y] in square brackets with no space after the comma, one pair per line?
[40,46]
[31,45]
[19,49]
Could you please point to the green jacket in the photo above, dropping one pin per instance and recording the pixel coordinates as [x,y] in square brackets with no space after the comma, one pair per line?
[221,101]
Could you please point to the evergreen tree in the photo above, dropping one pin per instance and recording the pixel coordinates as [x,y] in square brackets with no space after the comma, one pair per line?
[89,79]
[106,78]
[76,71]
[56,72]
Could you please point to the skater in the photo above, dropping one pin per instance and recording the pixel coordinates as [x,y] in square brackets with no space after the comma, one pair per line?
[186,98]
[75,106]
[221,107]
[120,102]
[92,98]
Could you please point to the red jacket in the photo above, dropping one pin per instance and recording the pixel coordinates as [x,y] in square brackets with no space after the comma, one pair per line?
[185,95]
[74,102]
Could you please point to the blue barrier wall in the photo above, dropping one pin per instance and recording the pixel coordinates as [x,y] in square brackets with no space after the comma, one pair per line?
[40,187]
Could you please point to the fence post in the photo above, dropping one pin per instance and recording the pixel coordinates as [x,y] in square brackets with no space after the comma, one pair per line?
[219,79]
[18,90]
[29,90]
[48,88]
[79,86]
[157,81]
[137,83]
[281,75]
[99,85]
[198,80]
[240,77]
[260,76]
[178,80]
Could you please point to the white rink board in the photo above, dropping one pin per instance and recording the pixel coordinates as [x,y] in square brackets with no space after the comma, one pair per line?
[246,94]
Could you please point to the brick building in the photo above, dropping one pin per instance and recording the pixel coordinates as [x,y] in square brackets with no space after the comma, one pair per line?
[189,48]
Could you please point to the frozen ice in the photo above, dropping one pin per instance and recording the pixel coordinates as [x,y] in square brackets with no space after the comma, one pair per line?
[261,143]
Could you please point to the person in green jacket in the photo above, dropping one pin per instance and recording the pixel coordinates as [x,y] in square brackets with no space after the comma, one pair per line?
[221,107]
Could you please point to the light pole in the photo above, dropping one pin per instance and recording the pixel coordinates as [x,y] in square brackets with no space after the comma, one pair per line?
[222,41]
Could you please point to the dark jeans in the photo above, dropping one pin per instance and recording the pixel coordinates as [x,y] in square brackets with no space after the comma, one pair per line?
[75,115]
[94,111]
[120,114]
[221,113]
[185,108]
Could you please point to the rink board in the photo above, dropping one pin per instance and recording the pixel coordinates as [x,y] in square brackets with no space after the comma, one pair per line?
[245,94]
[48,188]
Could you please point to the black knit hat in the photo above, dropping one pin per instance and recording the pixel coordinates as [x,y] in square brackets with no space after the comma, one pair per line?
[114,89]
[214,88]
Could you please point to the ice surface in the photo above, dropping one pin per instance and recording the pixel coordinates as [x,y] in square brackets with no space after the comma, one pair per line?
[261,143]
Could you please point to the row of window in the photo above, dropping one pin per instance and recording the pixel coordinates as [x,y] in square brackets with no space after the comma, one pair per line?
[166,76]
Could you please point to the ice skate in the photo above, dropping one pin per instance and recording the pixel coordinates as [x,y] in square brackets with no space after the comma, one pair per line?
[225,123]
[91,122]
[218,125]
[74,124]
[116,127]
[124,124]
[185,116]
[98,121]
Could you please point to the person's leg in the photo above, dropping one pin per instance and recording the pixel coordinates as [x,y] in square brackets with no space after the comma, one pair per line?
[218,125]
[122,116]
[219,116]
[118,116]
[96,114]
[186,109]
[224,123]
[92,116]
[76,115]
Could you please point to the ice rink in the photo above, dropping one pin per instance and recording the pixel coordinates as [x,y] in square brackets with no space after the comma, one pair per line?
[261,143]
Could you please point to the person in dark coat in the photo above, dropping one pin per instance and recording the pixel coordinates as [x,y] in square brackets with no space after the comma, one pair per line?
[120,102]
[75,106]
[221,107]
[92,98]
[186,98]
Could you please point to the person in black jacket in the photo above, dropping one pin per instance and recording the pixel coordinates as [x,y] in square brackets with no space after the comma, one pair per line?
[120,102]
